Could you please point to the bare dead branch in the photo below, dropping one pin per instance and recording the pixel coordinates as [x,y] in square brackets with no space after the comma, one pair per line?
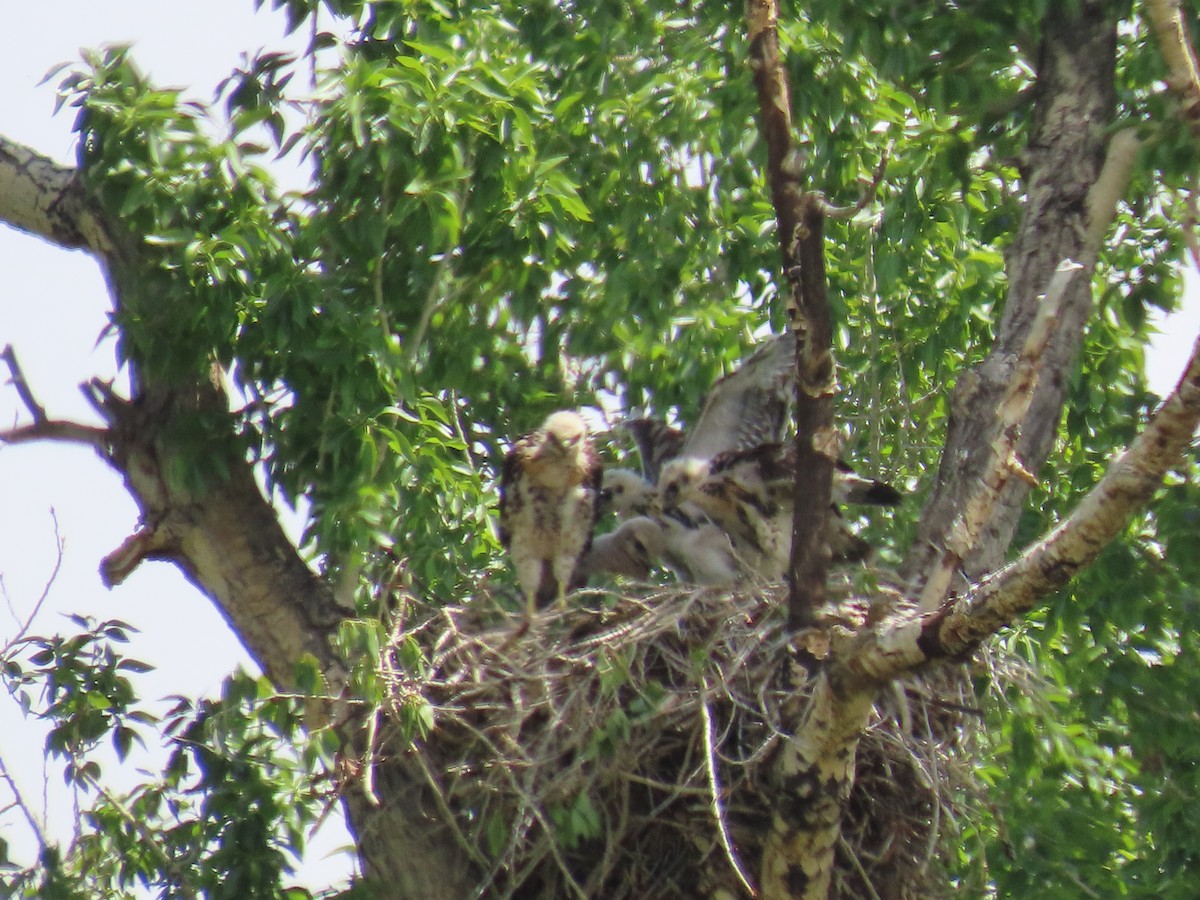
[103,399]
[43,427]
[17,380]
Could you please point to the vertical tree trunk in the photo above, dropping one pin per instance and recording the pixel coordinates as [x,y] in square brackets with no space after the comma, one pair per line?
[1072,112]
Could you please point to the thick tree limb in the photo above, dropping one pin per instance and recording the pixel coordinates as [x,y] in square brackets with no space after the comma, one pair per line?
[1124,491]
[1065,218]
[42,198]
[1174,42]
[203,511]
[905,642]
[1010,413]
[1111,185]
[816,771]
[800,218]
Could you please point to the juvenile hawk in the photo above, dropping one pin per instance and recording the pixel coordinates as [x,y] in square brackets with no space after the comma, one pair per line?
[549,502]
[749,493]
[630,550]
[694,547]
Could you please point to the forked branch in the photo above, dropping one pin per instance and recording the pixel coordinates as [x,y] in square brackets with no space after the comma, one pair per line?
[43,427]
[1010,413]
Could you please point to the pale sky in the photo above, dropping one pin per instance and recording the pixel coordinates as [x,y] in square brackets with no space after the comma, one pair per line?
[52,309]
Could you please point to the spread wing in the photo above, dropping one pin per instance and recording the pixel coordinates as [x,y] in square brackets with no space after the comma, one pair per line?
[744,409]
[656,442]
[748,406]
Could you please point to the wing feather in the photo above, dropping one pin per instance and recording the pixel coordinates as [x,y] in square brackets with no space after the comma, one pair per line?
[749,406]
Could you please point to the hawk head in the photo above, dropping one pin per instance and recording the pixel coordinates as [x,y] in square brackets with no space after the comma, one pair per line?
[645,540]
[627,493]
[681,479]
[564,433]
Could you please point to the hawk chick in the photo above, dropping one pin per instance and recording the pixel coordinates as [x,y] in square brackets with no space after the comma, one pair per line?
[549,502]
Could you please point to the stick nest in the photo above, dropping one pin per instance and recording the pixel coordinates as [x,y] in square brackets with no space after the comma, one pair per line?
[624,750]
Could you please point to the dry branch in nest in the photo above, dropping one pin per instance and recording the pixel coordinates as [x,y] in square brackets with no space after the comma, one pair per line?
[622,750]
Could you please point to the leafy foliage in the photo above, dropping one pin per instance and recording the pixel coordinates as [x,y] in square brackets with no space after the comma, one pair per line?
[521,206]
[230,812]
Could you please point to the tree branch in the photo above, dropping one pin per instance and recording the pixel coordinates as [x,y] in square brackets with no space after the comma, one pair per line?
[904,642]
[800,217]
[816,771]
[1126,489]
[1010,413]
[1070,197]
[43,427]
[868,194]
[42,198]
[1174,42]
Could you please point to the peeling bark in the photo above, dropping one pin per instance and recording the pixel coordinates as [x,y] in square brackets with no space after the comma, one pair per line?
[226,539]
[1067,149]
[905,641]
[815,771]
[47,200]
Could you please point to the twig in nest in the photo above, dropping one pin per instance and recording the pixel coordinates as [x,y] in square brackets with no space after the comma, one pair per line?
[852,855]
[710,762]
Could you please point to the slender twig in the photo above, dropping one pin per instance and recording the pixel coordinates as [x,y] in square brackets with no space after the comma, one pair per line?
[43,428]
[37,606]
[868,194]
[439,797]
[38,831]
[858,867]
[714,784]
[17,380]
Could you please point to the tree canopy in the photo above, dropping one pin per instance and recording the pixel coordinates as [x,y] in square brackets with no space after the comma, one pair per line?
[521,207]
